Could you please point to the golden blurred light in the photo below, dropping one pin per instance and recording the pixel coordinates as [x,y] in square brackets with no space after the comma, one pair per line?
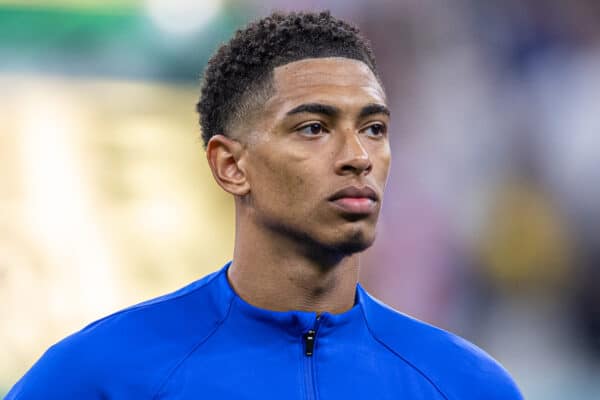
[58,206]
[106,200]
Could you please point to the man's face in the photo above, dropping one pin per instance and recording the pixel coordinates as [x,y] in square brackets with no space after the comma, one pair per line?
[318,154]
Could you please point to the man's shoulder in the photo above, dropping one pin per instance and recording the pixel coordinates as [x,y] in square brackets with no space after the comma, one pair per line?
[457,367]
[139,345]
[171,316]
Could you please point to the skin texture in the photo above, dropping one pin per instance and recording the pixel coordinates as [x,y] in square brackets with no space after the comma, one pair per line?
[295,249]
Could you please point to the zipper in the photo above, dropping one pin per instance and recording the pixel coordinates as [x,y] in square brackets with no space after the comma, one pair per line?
[309,342]
[309,339]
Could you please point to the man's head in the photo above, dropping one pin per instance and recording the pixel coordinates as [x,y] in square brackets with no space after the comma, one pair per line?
[238,77]
[294,120]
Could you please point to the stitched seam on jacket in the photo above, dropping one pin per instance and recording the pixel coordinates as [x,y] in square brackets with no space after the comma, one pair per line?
[189,353]
[161,299]
[401,357]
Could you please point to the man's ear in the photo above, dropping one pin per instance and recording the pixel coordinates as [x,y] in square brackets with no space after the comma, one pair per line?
[224,157]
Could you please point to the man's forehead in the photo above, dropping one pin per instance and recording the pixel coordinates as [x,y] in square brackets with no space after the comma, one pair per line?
[331,77]
[324,70]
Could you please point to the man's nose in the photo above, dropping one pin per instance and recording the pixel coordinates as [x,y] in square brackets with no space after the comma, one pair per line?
[353,156]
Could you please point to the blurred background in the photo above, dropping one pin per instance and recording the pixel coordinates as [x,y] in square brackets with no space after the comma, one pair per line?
[491,224]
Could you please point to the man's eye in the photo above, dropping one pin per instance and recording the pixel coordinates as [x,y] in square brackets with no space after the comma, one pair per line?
[376,130]
[312,129]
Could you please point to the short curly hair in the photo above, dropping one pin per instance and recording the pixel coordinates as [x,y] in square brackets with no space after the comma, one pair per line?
[241,70]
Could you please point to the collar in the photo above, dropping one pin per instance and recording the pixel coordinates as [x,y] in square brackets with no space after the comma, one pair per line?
[293,322]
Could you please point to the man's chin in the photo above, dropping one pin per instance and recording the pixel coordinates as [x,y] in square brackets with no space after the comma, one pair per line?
[329,254]
[355,243]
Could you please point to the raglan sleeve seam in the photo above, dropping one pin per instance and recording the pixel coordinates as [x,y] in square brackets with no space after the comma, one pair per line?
[187,355]
[419,371]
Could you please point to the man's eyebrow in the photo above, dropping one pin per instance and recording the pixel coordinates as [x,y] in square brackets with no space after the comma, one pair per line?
[371,109]
[315,108]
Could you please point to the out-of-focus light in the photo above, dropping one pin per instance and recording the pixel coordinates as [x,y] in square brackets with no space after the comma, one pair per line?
[58,202]
[182,17]
[160,218]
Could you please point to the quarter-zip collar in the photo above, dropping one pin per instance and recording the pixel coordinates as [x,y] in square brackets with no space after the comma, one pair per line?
[292,322]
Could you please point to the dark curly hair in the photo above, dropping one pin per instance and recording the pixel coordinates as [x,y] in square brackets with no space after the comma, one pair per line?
[238,75]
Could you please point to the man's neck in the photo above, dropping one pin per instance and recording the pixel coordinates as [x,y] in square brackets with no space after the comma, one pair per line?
[278,275]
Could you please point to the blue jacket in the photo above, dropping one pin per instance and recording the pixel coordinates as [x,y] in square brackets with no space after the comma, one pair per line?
[205,342]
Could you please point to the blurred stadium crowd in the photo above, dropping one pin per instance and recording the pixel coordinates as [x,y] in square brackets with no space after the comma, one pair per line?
[491,224]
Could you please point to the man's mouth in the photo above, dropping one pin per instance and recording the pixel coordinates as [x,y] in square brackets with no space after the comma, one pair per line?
[355,200]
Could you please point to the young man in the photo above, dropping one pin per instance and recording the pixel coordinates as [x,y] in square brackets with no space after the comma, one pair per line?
[295,124]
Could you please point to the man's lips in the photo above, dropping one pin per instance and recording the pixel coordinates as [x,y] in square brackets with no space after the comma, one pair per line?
[355,200]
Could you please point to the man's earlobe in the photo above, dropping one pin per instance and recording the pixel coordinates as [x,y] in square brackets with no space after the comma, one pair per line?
[225,158]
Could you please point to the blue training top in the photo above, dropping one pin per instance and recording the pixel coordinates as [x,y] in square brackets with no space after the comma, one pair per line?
[205,342]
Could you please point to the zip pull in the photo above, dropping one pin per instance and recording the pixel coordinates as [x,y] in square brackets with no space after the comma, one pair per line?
[309,342]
